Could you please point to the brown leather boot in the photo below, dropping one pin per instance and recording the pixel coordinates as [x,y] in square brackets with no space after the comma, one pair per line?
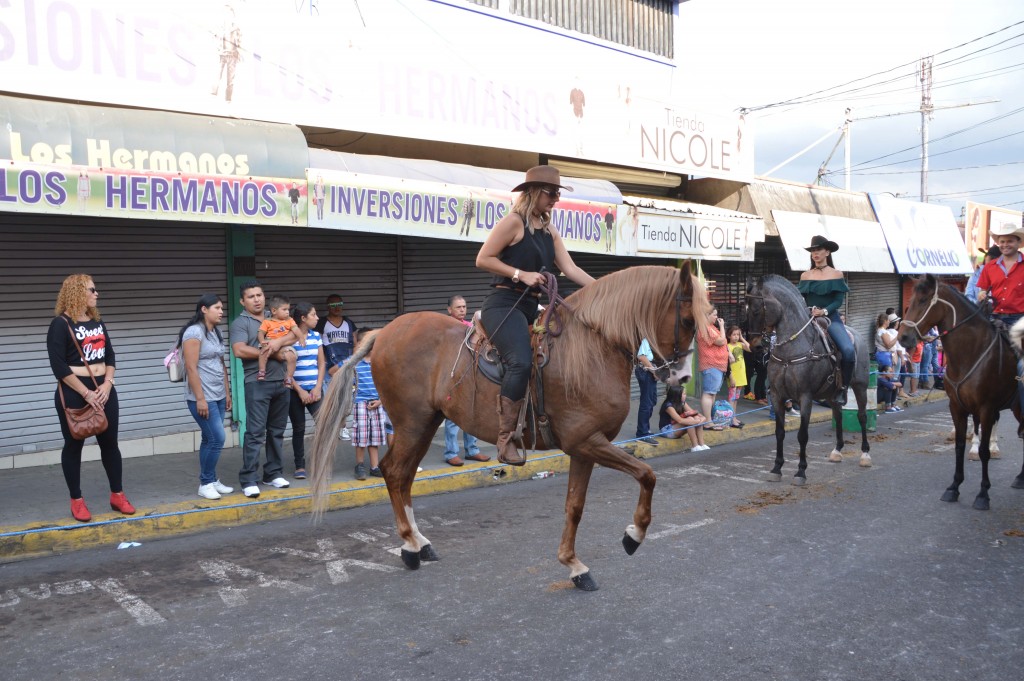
[508,416]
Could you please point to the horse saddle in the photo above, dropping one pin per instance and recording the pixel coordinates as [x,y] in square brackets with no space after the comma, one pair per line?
[834,355]
[488,359]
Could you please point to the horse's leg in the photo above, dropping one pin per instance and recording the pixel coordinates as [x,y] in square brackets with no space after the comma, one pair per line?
[993,445]
[836,455]
[952,492]
[575,498]
[981,502]
[975,441]
[778,404]
[862,419]
[599,450]
[800,477]
[399,470]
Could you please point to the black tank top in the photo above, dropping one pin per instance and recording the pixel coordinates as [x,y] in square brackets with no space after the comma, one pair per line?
[536,250]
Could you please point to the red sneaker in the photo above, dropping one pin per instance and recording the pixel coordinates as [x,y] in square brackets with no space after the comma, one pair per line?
[119,502]
[80,511]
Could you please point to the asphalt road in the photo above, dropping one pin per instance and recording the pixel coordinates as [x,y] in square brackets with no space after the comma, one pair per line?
[863,574]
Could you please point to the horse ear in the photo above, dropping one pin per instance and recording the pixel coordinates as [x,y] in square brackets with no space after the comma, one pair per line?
[750,284]
[685,277]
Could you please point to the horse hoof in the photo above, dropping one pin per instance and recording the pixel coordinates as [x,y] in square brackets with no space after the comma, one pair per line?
[994,454]
[774,477]
[411,559]
[950,496]
[981,504]
[799,481]
[973,456]
[1018,483]
[835,456]
[428,554]
[628,543]
[865,461]
[585,582]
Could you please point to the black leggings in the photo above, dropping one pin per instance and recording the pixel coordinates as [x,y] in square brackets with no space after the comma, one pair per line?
[71,454]
[508,326]
[297,415]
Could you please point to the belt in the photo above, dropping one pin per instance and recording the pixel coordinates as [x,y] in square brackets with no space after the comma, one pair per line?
[514,290]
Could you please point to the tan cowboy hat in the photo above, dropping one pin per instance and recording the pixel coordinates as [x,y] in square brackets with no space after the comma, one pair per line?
[1006,229]
[547,175]
[819,241]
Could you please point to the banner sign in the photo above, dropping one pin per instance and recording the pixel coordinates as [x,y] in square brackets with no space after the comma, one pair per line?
[923,238]
[655,230]
[862,246]
[361,202]
[79,190]
[371,67]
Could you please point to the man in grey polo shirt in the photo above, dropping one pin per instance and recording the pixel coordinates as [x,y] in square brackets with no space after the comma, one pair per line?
[266,401]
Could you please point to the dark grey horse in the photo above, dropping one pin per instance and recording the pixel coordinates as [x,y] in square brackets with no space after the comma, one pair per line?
[799,367]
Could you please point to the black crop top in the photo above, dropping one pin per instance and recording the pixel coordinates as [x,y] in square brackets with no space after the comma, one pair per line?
[534,251]
[91,335]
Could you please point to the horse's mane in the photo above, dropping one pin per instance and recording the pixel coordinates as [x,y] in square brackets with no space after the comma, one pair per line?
[922,284]
[784,291]
[624,308]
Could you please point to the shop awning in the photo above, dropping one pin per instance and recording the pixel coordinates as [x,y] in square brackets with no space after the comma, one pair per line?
[862,246]
[923,237]
[677,229]
[599,191]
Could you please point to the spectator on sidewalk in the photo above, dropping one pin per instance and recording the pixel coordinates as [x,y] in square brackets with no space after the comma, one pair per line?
[737,345]
[885,338]
[207,388]
[675,417]
[266,402]
[888,386]
[339,336]
[648,392]
[307,389]
[368,417]
[713,362]
[83,363]
[457,311]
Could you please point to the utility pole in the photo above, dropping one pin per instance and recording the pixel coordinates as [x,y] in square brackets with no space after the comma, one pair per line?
[925,75]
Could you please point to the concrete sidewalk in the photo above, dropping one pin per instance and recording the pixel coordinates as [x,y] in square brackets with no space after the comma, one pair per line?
[36,518]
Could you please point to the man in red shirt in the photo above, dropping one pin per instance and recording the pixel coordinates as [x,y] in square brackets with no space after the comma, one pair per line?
[1004,278]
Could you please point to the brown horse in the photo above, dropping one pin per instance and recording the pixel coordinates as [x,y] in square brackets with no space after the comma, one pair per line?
[424,373]
[980,377]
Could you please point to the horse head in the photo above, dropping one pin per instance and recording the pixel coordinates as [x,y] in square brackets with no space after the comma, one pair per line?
[927,308]
[763,309]
[690,302]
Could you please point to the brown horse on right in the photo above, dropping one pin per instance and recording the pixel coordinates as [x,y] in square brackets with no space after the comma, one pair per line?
[424,373]
[980,377]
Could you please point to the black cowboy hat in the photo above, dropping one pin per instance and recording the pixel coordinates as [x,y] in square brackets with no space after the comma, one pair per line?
[819,241]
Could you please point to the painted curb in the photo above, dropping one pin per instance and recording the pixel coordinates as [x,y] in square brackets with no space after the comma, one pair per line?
[40,539]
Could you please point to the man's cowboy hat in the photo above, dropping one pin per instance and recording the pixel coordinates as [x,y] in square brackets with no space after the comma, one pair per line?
[821,242]
[1006,229]
[546,175]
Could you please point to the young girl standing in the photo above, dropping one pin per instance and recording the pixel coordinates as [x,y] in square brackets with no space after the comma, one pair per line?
[737,369]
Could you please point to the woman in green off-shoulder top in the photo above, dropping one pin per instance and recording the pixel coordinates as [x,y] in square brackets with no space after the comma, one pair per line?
[824,289]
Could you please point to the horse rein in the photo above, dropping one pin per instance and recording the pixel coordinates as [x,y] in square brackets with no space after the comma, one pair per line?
[931,304]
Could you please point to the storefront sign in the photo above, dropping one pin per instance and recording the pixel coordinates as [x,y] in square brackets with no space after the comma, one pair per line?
[669,229]
[31,188]
[371,67]
[376,204]
[923,238]
[83,160]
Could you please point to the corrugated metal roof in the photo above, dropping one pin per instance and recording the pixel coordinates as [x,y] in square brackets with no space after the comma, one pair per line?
[685,207]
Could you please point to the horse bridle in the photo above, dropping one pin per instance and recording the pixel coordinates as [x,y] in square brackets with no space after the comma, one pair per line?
[936,299]
[677,353]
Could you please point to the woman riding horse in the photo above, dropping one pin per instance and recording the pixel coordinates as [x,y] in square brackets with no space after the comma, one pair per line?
[520,249]
[824,289]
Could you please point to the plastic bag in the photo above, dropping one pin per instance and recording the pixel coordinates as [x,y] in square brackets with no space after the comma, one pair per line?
[722,411]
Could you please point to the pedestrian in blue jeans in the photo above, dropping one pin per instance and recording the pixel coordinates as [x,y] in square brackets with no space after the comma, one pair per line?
[648,392]
[207,388]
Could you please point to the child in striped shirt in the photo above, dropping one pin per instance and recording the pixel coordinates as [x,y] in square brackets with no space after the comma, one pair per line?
[367,413]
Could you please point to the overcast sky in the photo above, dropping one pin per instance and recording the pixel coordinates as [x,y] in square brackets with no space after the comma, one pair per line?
[750,53]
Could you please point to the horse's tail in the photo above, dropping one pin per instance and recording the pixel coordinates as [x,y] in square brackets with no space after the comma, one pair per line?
[1016,334]
[336,406]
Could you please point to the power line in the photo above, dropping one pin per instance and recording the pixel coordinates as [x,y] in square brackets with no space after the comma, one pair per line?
[795,100]
[934,170]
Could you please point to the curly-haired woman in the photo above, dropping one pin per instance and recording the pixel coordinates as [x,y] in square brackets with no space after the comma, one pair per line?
[77,326]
